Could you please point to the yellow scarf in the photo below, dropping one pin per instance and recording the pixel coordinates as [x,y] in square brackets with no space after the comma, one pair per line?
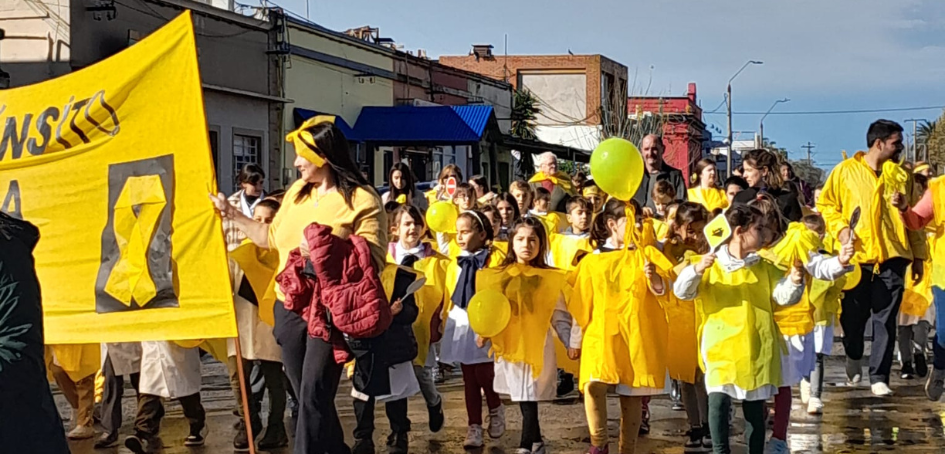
[560,179]
[303,141]
[259,266]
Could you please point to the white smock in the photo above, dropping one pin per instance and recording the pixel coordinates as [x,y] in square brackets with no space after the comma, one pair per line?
[169,370]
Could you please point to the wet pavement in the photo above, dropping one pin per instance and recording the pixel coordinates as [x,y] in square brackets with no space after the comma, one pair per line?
[853,421]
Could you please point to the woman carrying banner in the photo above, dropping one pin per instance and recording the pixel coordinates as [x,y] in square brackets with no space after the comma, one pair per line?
[331,192]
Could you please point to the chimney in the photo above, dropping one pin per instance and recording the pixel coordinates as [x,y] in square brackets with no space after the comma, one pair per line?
[422,54]
[482,51]
[692,92]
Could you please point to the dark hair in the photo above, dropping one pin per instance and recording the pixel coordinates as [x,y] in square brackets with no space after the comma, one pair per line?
[771,214]
[737,181]
[487,209]
[408,210]
[663,188]
[743,216]
[507,198]
[480,221]
[480,181]
[391,207]
[819,186]
[614,209]
[688,213]
[542,194]
[815,222]
[764,159]
[450,169]
[467,190]
[701,165]
[881,130]
[250,174]
[406,176]
[273,205]
[331,144]
[579,202]
[539,229]
[276,195]
[784,163]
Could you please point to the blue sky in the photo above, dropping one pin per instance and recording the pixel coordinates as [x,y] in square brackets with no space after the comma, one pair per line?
[822,54]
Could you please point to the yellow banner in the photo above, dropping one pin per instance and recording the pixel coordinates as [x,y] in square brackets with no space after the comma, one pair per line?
[112,163]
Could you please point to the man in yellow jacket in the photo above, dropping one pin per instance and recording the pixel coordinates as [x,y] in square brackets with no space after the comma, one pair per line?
[884,248]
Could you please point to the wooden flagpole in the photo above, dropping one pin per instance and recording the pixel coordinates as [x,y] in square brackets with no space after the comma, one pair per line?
[244,396]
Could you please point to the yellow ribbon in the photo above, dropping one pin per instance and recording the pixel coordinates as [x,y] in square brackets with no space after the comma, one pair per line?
[137,212]
[559,179]
[303,141]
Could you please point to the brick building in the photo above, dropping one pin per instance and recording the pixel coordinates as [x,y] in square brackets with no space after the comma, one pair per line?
[683,129]
[577,93]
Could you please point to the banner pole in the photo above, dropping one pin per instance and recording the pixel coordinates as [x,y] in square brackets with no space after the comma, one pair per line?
[243,395]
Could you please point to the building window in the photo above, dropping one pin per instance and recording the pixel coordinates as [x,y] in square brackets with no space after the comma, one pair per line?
[246,149]
[215,148]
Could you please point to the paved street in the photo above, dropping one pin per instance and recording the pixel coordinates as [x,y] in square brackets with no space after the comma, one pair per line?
[854,422]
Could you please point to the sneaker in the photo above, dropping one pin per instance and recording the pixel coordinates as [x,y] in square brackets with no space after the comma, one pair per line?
[694,445]
[196,438]
[523,451]
[565,383]
[241,440]
[473,437]
[854,372]
[538,448]
[881,389]
[438,376]
[907,372]
[363,446]
[274,438]
[596,450]
[935,385]
[644,428]
[707,442]
[436,416]
[805,392]
[921,365]
[107,440]
[140,444]
[776,446]
[397,443]
[496,422]
[81,433]
[645,421]
[815,406]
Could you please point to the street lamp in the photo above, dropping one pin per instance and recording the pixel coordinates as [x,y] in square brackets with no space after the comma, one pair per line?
[728,98]
[761,124]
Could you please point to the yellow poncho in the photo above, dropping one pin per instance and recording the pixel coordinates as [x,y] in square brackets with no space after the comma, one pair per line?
[742,344]
[553,221]
[797,244]
[682,349]
[624,326]
[567,249]
[429,299]
[709,198]
[77,360]
[533,294]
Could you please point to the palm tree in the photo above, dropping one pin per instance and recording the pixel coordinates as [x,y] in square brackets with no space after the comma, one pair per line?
[925,132]
[524,113]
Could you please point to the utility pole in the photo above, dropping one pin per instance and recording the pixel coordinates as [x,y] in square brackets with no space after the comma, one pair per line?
[809,147]
[728,97]
[915,138]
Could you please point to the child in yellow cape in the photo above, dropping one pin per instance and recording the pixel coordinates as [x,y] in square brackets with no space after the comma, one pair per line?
[685,240]
[473,234]
[525,369]
[408,250]
[739,342]
[624,328]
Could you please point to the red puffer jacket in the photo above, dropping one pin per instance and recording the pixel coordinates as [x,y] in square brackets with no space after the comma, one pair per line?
[345,295]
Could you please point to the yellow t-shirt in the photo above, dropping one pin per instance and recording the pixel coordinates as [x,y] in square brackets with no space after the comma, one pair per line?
[367,219]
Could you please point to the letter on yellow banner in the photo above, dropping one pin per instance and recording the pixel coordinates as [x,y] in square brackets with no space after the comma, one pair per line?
[112,163]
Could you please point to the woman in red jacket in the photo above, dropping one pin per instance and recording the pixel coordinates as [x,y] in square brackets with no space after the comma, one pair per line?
[331,192]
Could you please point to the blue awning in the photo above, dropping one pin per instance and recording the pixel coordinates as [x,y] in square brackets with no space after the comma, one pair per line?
[299,115]
[433,125]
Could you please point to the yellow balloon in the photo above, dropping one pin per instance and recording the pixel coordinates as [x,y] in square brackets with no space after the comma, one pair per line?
[441,217]
[853,278]
[617,168]
[489,313]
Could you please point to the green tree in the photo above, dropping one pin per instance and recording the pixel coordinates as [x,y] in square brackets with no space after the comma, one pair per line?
[524,113]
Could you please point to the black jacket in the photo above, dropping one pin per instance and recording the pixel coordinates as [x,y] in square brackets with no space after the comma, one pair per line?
[667,172]
[29,419]
[787,201]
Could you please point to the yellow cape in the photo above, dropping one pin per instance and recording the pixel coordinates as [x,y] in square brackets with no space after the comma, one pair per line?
[260,268]
[560,179]
[429,299]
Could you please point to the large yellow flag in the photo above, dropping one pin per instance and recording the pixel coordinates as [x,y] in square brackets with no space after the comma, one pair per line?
[112,163]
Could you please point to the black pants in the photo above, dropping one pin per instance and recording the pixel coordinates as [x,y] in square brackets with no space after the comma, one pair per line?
[314,375]
[271,378]
[877,296]
[111,397]
[364,414]
[531,429]
[151,411]
[720,407]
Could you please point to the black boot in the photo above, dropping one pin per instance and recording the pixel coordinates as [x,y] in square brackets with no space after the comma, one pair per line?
[908,373]
[921,365]
[436,416]
[241,440]
[275,438]
[397,443]
[363,446]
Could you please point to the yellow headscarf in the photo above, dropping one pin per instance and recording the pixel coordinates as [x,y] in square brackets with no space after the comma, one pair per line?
[304,142]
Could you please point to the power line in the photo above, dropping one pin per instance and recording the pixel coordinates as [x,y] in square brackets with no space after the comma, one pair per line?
[836,112]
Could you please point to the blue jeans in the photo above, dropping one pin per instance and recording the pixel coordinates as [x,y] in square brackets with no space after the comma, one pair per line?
[938,341]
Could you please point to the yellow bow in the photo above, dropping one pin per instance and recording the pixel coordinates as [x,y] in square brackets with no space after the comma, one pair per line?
[401,199]
[304,142]
[559,179]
